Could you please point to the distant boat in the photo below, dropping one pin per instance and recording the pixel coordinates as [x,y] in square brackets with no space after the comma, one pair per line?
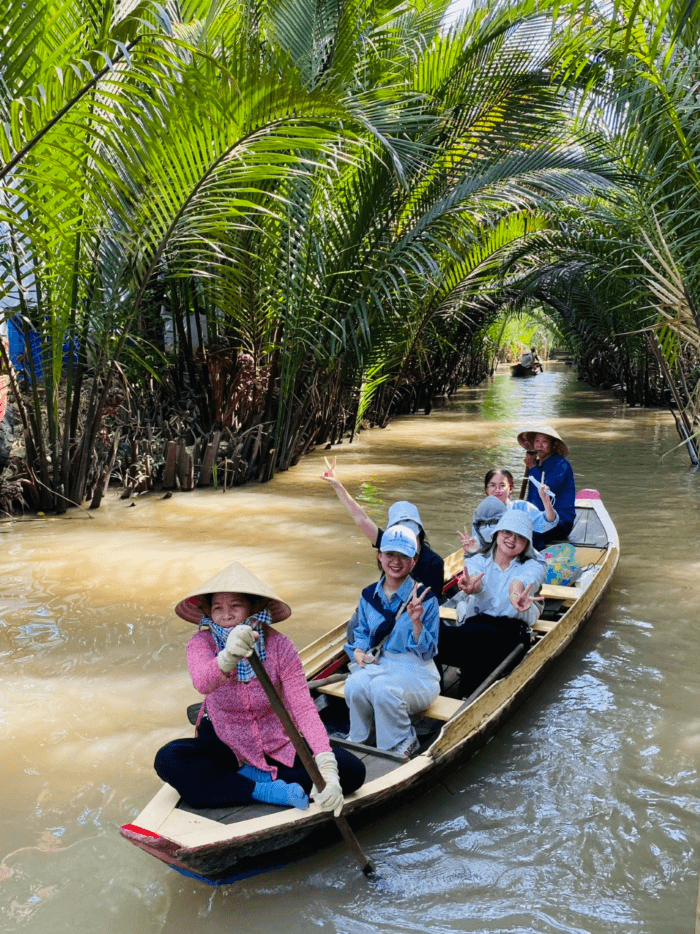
[220,845]
[519,370]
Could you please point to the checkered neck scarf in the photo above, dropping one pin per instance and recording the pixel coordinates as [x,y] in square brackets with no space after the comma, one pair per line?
[244,670]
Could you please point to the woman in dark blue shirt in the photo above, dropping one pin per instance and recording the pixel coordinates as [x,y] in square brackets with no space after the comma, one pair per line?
[546,462]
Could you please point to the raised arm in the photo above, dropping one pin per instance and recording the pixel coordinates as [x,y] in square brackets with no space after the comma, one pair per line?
[549,512]
[359,516]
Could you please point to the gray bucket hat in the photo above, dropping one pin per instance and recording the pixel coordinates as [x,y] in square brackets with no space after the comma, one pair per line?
[401,512]
[485,517]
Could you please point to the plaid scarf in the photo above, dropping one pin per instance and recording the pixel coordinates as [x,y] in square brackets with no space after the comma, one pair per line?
[244,670]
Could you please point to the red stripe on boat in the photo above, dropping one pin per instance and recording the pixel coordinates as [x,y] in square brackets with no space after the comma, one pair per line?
[134,828]
[331,669]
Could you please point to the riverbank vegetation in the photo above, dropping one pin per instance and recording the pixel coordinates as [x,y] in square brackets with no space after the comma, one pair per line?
[232,231]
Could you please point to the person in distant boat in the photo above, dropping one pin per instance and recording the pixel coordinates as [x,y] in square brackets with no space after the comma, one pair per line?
[500,604]
[240,751]
[546,461]
[498,485]
[430,567]
[393,644]
[535,362]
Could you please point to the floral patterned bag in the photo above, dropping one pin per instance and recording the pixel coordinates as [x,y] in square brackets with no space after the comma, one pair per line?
[562,566]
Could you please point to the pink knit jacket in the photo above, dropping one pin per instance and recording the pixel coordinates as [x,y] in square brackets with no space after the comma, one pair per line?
[240,712]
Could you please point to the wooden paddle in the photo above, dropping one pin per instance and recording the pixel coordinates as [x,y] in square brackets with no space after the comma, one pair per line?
[308,761]
[523,485]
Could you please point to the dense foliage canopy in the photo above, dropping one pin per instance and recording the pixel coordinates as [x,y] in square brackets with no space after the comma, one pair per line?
[278,218]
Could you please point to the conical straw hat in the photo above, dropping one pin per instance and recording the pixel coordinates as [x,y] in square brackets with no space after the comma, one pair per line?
[233,579]
[525,438]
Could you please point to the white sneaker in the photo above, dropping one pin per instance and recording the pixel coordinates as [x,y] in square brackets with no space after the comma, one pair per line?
[407,746]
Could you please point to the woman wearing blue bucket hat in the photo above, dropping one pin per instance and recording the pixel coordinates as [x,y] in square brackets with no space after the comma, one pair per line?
[430,567]
[501,584]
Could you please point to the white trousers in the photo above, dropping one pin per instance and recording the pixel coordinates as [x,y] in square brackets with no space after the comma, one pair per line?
[389,691]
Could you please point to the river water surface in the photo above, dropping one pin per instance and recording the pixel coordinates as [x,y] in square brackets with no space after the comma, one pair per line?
[582,815]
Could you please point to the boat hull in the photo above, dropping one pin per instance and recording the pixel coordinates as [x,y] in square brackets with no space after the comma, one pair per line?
[519,370]
[221,853]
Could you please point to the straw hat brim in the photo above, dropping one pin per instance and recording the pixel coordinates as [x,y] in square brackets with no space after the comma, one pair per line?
[525,438]
[233,579]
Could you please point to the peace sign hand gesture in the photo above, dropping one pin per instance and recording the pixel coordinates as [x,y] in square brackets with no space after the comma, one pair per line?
[415,610]
[469,543]
[521,599]
[415,604]
[470,583]
[329,474]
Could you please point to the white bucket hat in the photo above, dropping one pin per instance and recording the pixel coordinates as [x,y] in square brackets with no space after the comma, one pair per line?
[233,579]
[515,520]
[525,438]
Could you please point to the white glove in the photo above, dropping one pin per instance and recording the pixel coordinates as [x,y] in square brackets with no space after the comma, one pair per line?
[331,798]
[239,645]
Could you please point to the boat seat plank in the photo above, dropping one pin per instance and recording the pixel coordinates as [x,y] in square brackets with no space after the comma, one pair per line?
[543,626]
[548,591]
[557,592]
[442,708]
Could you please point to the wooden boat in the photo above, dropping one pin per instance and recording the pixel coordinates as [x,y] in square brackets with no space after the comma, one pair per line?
[517,369]
[221,845]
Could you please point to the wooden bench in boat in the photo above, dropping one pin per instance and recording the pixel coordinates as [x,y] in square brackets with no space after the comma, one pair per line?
[442,708]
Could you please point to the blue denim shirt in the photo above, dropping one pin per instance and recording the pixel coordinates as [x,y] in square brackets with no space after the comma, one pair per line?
[401,638]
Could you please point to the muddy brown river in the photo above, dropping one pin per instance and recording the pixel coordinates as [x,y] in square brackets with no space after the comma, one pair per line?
[582,816]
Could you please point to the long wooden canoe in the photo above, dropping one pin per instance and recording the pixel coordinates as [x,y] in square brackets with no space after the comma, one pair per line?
[221,845]
[517,369]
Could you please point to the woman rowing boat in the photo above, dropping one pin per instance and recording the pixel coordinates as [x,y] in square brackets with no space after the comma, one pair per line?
[240,751]
[546,459]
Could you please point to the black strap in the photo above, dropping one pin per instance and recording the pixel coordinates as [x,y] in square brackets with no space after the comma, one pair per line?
[383,629]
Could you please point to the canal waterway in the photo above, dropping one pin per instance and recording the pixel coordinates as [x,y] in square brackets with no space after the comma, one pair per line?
[581,816]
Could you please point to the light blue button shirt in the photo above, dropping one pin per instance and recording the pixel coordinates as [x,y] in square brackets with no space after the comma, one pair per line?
[494,597]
